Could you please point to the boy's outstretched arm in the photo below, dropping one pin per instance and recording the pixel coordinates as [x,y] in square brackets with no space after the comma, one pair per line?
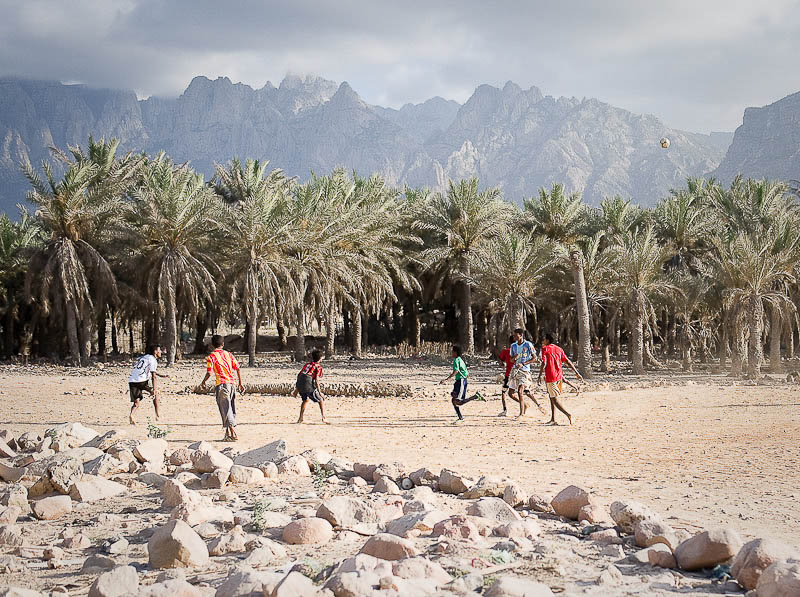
[239,375]
[205,379]
[571,366]
[448,377]
[541,372]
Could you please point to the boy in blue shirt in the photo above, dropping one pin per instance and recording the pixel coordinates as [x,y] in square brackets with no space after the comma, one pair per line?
[523,354]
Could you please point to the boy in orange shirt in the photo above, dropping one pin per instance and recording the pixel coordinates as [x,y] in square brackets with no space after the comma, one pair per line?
[223,364]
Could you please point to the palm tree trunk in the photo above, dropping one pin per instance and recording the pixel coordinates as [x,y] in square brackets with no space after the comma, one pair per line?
[480,331]
[283,339]
[775,332]
[364,329]
[330,328]
[738,349]
[605,367]
[300,338]
[356,317]
[582,307]
[201,327]
[101,332]
[723,343]
[789,339]
[85,339]
[466,336]
[114,331]
[8,342]
[755,352]
[252,331]
[72,333]
[637,334]
[171,325]
[414,326]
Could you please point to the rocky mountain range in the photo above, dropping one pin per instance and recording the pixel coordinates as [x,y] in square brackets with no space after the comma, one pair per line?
[519,139]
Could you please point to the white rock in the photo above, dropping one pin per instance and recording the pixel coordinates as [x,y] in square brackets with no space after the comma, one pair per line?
[272,452]
[245,475]
[176,545]
[151,450]
[295,465]
[119,582]
[92,488]
[52,508]
[207,460]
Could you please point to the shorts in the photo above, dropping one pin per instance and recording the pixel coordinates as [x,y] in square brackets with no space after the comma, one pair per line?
[314,396]
[554,388]
[459,392]
[520,378]
[225,394]
[137,387]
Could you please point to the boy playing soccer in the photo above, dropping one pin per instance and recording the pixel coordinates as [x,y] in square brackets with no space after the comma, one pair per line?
[505,358]
[143,379]
[223,364]
[552,358]
[459,393]
[308,387]
[523,354]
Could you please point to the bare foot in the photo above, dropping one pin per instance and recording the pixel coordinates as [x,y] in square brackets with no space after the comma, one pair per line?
[130,419]
[326,421]
[551,422]
[299,421]
[570,419]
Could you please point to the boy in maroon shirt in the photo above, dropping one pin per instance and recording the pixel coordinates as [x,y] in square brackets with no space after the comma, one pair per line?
[308,385]
[552,358]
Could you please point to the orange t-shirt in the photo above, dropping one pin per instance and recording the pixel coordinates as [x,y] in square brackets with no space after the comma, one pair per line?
[223,364]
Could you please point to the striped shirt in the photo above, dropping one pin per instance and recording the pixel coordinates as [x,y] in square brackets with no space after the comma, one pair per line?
[313,369]
[223,364]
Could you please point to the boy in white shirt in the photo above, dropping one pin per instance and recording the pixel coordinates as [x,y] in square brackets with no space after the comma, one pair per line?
[143,379]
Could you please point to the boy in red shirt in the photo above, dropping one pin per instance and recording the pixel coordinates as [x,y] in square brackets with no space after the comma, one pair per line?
[552,358]
[307,385]
[509,361]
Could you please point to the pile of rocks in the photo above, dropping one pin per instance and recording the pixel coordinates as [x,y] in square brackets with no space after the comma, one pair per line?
[120,517]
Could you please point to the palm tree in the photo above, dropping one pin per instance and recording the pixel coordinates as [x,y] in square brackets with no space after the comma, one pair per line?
[639,262]
[558,217]
[257,220]
[169,228]
[459,222]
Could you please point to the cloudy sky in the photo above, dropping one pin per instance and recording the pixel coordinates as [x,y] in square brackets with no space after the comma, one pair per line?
[694,63]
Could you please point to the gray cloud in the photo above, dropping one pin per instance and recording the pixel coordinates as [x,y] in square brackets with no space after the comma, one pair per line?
[697,65]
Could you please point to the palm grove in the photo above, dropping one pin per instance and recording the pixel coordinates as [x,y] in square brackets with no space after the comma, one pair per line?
[148,244]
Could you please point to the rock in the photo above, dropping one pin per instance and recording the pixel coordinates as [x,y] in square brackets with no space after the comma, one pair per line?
[415,523]
[11,474]
[453,483]
[316,457]
[272,452]
[707,549]
[424,477]
[105,466]
[92,488]
[357,482]
[173,587]
[245,475]
[457,527]
[52,508]
[340,467]
[606,537]
[420,567]
[755,556]
[650,531]
[511,586]
[308,531]
[263,552]
[661,556]
[197,512]
[781,579]
[494,509]
[10,514]
[151,450]
[16,495]
[97,563]
[105,441]
[613,551]
[593,514]
[352,584]
[9,565]
[610,576]
[116,545]
[176,545]
[514,495]
[175,494]
[119,582]
[569,501]
[6,451]
[295,465]
[78,541]
[207,460]
[28,441]
[386,485]
[181,456]
[270,470]
[232,542]
[273,520]
[41,488]
[394,470]
[344,511]
[64,473]
[389,547]
[294,585]
[188,479]
[486,487]
[626,514]
[244,582]
[519,529]
[216,479]
[11,534]
[77,432]
[365,471]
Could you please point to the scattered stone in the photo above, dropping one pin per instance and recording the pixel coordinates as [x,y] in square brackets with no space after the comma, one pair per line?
[188,479]
[357,482]
[181,456]
[176,545]
[294,585]
[386,485]
[424,477]
[755,556]
[512,586]
[519,529]
[486,487]
[232,542]
[316,457]
[389,547]
[6,451]
[457,527]
[781,579]
[208,460]
[308,531]
[610,576]
[613,551]
[494,509]
[606,537]
[92,488]
[271,453]
[105,466]
[77,541]
[196,512]
[105,441]
[514,495]
[244,582]
[415,523]
[538,503]
[245,475]
[53,553]
[11,534]
[340,467]
[174,587]
[115,545]
[707,549]
[569,501]
[119,582]
[97,563]
[453,483]
[295,465]
[9,565]
[344,511]
[650,531]
[151,450]
[16,495]
[627,513]
[11,474]
[593,514]
[51,508]
[661,556]
[64,473]
[10,514]
[215,480]
[270,470]
[273,520]
[420,567]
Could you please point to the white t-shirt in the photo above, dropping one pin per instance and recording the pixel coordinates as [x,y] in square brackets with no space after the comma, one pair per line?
[141,371]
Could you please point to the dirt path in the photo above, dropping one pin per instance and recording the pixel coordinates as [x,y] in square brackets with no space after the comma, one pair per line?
[703,454]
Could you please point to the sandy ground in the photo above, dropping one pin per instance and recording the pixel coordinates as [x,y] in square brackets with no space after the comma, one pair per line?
[703,455]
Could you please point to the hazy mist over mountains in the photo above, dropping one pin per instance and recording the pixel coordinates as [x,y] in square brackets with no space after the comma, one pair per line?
[517,138]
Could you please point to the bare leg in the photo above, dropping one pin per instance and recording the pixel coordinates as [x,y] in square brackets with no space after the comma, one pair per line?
[155,406]
[134,408]
[322,412]
[232,433]
[534,400]
[302,410]
[552,420]
[555,403]
[521,399]
[503,398]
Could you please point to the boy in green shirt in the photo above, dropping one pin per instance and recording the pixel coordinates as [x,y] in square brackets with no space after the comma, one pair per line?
[459,393]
